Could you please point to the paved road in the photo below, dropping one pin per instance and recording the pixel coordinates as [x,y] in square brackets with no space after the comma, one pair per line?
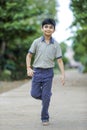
[68,108]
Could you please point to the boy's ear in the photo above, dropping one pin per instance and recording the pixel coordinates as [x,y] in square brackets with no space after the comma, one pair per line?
[54,30]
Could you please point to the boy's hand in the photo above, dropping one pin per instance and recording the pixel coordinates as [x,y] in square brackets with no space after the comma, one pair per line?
[62,78]
[30,72]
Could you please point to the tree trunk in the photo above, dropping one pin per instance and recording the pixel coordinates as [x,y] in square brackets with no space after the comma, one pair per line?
[2,48]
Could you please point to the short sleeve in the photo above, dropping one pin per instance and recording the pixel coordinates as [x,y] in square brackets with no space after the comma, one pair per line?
[32,49]
[58,51]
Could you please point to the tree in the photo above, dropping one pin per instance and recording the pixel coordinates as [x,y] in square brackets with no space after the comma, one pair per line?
[79,8]
[19,25]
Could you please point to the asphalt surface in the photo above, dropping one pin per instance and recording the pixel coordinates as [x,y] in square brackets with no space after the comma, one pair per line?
[68,107]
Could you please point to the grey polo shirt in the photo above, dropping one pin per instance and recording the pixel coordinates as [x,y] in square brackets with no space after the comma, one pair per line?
[45,53]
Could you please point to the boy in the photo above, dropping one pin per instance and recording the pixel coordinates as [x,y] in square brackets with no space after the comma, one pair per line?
[46,49]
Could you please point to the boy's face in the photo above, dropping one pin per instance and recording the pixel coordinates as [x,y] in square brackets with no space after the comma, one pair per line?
[48,29]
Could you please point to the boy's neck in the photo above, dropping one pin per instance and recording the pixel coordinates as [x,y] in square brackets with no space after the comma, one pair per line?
[47,39]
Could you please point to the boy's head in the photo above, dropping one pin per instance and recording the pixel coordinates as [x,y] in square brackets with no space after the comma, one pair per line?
[49,21]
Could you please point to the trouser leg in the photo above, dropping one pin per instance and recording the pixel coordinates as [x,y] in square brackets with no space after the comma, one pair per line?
[41,89]
[36,90]
[46,95]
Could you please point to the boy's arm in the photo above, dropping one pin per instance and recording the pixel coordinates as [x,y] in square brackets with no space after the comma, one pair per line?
[28,64]
[61,67]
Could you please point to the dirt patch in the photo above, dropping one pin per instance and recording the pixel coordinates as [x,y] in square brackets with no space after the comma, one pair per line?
[6,85]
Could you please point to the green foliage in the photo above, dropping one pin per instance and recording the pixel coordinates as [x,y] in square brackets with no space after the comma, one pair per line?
[6,75]
[20,23]
[63,47]
[79,8]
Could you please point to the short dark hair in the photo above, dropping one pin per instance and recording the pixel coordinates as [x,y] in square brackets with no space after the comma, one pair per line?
[49,21]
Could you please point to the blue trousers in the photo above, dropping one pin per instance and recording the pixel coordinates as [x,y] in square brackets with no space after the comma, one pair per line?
[41,89]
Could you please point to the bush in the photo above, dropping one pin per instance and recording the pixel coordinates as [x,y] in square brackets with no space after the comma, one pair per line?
[5,75]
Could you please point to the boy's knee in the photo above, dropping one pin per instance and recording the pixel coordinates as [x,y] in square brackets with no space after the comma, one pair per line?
[35,96]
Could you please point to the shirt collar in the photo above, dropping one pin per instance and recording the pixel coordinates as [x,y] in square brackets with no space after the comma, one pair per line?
[51,39]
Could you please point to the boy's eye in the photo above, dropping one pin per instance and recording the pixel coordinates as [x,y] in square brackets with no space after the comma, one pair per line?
[46,26]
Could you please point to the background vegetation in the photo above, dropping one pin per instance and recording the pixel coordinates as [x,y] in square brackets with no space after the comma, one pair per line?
[79,9]
[20,23]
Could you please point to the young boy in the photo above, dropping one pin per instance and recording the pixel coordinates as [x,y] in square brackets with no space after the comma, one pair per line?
[46,49]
